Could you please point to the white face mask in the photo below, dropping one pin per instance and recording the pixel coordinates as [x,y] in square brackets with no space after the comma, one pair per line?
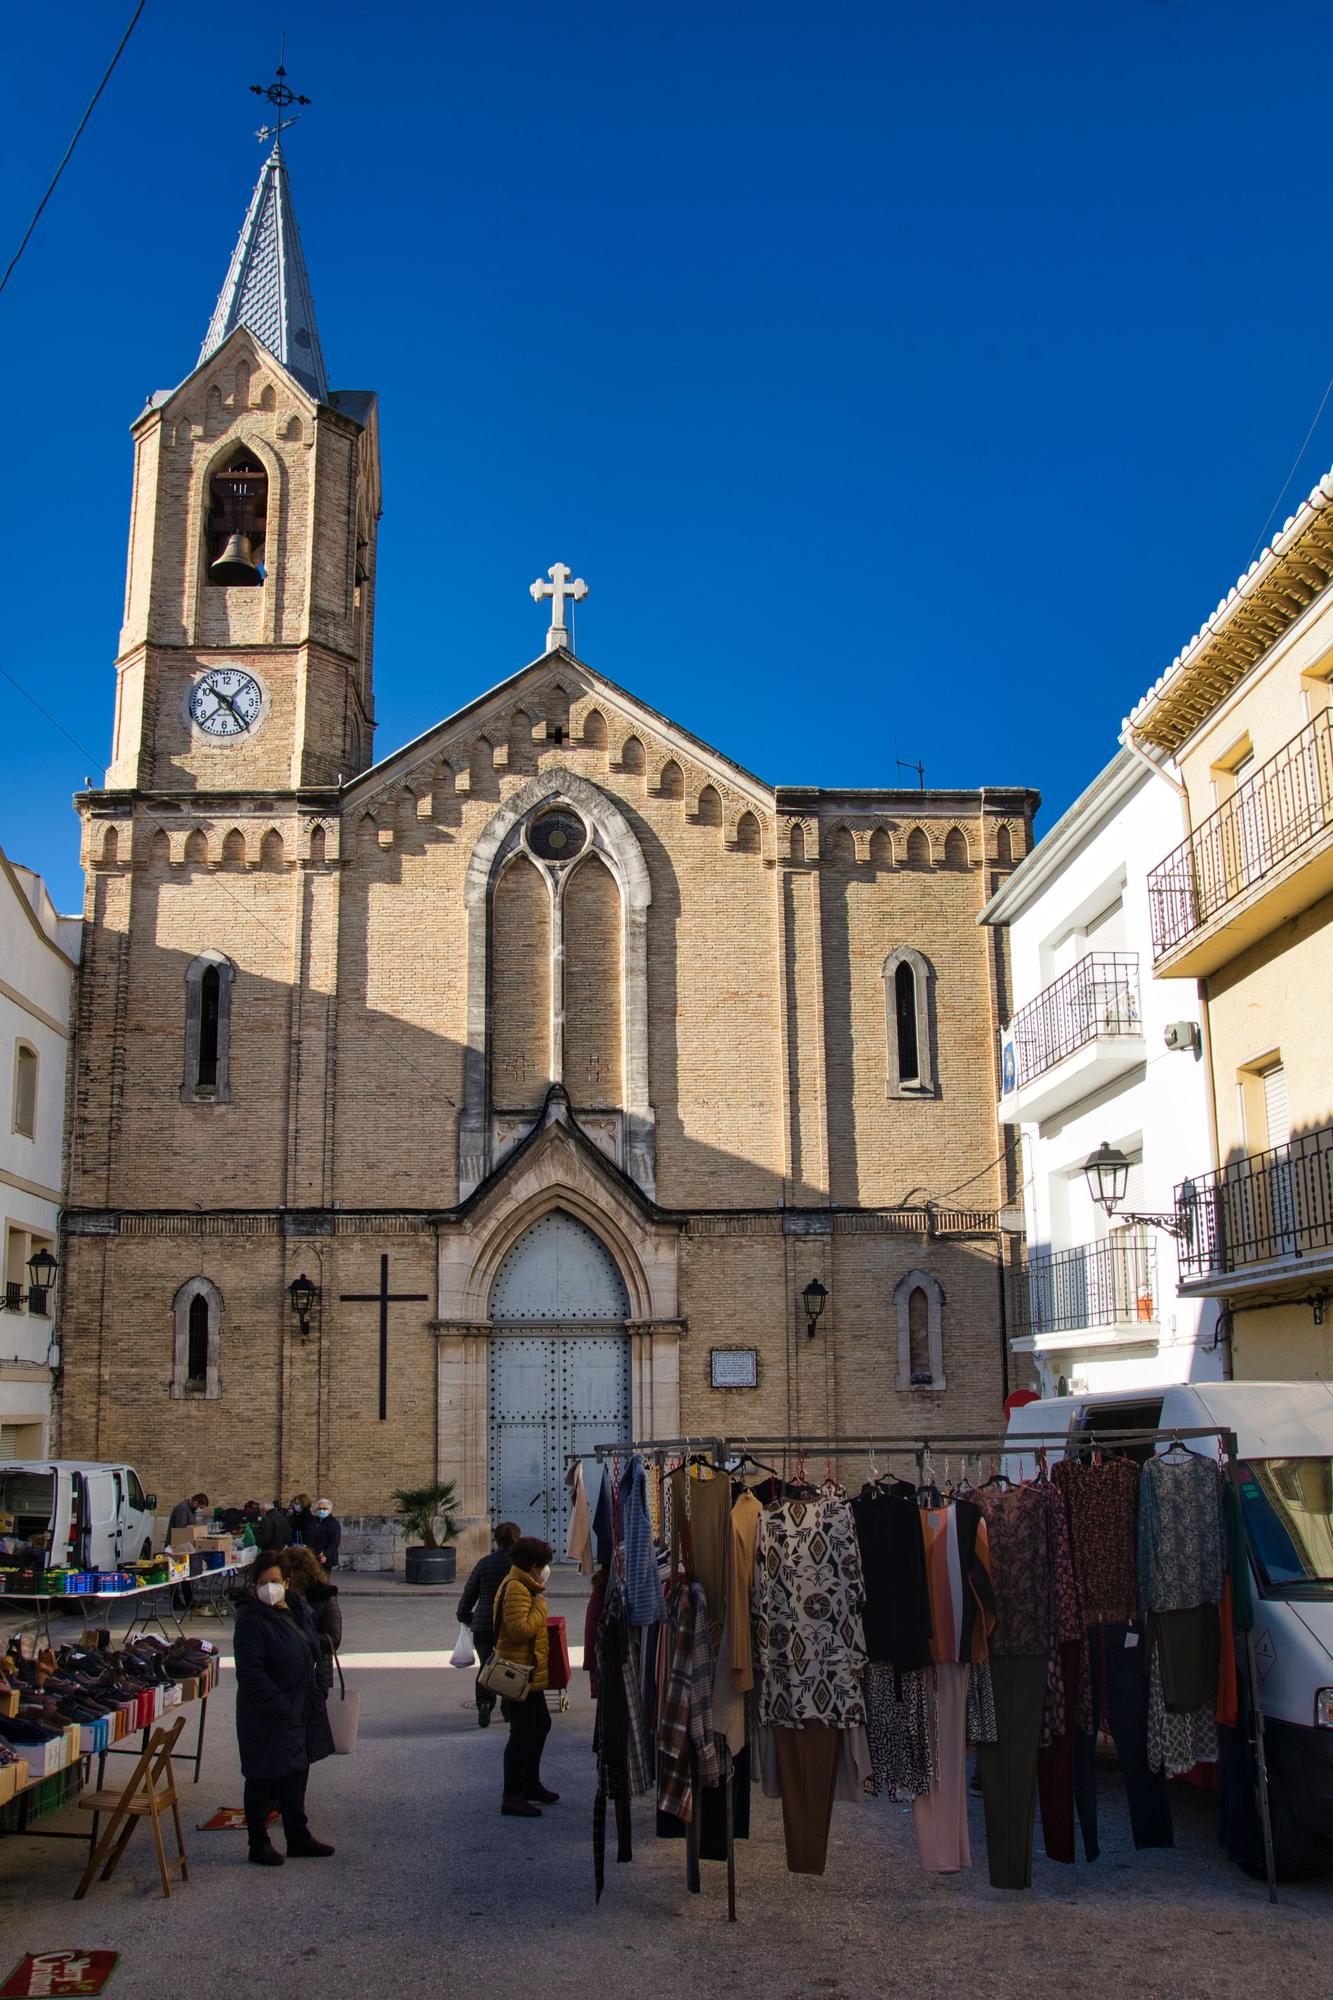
[544,1575]
[270,1593]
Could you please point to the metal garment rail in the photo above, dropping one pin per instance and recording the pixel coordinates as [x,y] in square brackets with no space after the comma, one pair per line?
[980,1444]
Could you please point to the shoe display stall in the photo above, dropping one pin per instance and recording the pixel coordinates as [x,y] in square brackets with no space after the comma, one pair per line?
[62,1708]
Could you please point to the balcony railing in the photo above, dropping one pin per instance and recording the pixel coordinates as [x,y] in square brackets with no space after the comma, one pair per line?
[1287,803]
[13,1296]
[1260,1210]
[1098,996]
[1113,1283]
[39,1300]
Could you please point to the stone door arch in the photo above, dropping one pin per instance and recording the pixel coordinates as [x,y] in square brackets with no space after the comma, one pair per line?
[558,1368]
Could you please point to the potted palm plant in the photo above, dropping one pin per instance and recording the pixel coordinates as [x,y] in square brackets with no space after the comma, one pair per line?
[430,1514]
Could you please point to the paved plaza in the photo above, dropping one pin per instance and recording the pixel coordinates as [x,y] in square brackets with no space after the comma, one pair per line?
[432,1893]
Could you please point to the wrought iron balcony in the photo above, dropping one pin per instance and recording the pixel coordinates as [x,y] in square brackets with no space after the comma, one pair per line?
[1273,830]
[39,1300]
[1093,1008]
[1107,1284]
[1268,1208]
[13,1296]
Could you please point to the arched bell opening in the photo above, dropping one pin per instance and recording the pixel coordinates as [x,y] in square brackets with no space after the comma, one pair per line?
[237,520]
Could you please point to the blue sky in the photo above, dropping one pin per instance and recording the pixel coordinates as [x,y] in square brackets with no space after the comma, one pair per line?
[906,383]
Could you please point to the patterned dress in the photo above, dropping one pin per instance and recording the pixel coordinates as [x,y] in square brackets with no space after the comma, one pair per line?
[1102,1502]
[809,1639]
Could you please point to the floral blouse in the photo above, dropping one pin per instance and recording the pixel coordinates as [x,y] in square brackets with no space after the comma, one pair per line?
[1102,1501]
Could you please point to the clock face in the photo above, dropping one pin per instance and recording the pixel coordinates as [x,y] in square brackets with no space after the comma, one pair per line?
[226,702]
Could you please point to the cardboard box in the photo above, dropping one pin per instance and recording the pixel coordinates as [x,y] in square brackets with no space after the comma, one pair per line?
[43,1760]
[9,1701]
[187,1538]
[9,1781]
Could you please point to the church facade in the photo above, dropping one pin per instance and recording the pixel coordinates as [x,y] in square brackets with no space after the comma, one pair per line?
[447,1113]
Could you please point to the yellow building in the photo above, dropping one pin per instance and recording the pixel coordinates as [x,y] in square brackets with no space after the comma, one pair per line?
[1245,905]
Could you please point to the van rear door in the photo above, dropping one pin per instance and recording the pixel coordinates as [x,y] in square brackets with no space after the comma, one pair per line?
[102,1516]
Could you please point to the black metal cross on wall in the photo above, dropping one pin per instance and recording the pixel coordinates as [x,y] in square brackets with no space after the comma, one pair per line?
[384,1298]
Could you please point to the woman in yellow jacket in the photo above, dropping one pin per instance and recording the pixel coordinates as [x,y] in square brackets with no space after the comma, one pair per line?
[520,1635]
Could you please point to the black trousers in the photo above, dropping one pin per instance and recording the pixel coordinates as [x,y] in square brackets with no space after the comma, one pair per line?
[1120,1692]
[484,1646]
[529,1727]
[287,1794]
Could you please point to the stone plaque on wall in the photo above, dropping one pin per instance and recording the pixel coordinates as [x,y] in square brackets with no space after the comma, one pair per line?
[733,1367]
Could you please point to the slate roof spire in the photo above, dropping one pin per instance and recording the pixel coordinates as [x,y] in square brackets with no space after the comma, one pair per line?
[267,288]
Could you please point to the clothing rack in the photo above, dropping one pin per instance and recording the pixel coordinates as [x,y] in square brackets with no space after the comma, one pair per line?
[922,1445]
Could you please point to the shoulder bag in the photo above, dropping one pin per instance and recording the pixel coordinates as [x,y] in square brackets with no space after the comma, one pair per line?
[509,1680]
[344,1715]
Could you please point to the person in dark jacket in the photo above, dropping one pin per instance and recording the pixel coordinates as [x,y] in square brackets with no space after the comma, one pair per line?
[188,1513]
[476,1607]
[324,1533]
[314,1600]
[273,1530]
[299,1516]
[275,1660]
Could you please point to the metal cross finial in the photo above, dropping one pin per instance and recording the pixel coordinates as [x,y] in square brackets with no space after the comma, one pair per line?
[558,589]
[280,96]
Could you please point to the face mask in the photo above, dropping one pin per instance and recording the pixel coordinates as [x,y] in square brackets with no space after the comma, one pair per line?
[321,1513]
[270,1593]
[543,1575]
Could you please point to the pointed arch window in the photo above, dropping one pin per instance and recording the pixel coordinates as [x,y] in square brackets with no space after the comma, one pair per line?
[208,985]
[918,1301]
[909,1010]
[197,1349]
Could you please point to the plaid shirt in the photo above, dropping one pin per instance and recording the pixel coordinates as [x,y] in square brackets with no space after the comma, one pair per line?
[685,1735]
[643,1585]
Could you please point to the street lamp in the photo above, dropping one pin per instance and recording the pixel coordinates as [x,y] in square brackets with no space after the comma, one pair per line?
[1107,1174]
[813,1298]
[42,1268]
[302,1294]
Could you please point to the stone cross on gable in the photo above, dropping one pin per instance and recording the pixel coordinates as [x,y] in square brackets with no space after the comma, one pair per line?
[563,584]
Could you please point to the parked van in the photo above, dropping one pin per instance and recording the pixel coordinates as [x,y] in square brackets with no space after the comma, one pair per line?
[1284,1439]
[89,1516]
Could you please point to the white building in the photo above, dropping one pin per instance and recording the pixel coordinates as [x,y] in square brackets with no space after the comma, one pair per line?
[38,960]
[1085,1058]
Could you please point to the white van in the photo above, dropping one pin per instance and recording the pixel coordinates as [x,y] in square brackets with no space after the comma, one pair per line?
[89,1516]
[1284,1438]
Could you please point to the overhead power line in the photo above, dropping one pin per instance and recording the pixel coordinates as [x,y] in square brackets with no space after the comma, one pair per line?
[9,268]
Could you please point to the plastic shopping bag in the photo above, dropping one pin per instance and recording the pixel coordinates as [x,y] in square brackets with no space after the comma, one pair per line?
[463,1655]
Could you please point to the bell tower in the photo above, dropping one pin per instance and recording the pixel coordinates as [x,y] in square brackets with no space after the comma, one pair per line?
[245,657]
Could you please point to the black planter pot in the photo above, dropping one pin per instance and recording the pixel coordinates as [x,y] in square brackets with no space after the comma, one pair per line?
[432,1565]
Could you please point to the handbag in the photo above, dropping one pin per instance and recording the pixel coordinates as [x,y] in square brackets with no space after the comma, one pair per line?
[509,1680]
[344,1715]
[463,1655]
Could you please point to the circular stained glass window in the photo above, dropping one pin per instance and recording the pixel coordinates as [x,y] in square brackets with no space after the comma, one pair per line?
[557,835]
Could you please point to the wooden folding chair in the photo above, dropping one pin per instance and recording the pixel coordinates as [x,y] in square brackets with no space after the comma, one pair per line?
[151,1789]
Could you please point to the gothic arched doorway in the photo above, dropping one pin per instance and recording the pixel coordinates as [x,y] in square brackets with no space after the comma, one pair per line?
[559,1373]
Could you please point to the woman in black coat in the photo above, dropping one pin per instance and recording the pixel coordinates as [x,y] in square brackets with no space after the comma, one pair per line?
[313,1600]
[276,1700]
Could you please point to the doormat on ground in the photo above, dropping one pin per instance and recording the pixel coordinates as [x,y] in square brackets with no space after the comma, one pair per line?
[227,1819]
[52,1973]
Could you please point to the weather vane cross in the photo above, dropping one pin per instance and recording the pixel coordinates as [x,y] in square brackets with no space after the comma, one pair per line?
[563,584]
[281,96]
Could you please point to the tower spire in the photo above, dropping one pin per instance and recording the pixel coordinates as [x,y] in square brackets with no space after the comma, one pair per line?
[267,287]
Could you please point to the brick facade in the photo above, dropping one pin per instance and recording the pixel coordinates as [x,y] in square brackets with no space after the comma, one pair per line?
[717,1011]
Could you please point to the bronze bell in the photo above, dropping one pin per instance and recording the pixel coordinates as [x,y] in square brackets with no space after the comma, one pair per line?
[236,564]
